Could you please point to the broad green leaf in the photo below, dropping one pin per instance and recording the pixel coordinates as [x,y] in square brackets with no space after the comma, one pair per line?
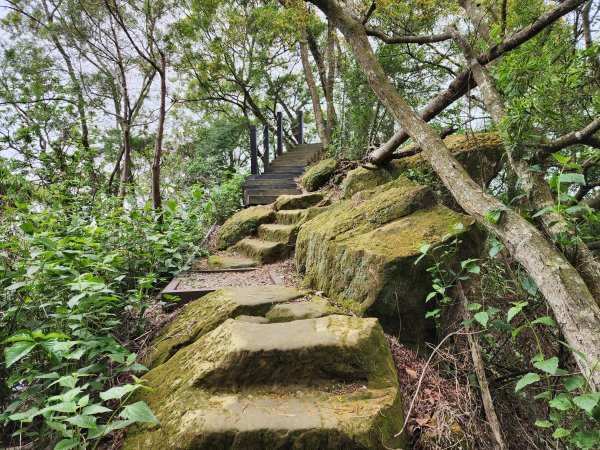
[95,409]
[140,412]
[561,402]
[529,285]
[546,320]
[549,365]
[83,421]
[560,433]
[587,402]
[17,351]
[543,423]
[573,383]
[27,228]
[526,380]
[66,444]
[586,439]
[572,178]
[482,317]
[118,392]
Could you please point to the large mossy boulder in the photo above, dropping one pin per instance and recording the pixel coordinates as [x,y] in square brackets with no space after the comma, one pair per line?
[479,153]
[361,179]
[242,224]
[362,252]
[325,383]
[319,174]
[205,314]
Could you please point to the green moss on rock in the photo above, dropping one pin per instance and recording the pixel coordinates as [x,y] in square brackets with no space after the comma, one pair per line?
[255,386]
[242,224]
[319,174]
[302,201]
[361,179]
[479,153]
[362,252]
[216,262]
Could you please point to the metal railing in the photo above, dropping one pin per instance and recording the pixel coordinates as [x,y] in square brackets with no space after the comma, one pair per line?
[265,156]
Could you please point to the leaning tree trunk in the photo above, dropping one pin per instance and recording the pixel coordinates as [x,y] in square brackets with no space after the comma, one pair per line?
[573,305]
[535,186]
[314,93]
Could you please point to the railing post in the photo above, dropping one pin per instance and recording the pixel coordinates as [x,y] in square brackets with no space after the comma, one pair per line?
[300,135]
[253,151]
[279,133]
[266,146]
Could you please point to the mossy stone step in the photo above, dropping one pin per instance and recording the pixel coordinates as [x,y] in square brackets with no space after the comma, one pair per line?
[260,250]
[301,201]
[286,234]
[243,223]
[216,262]
[258,386]
[303,309]
[204,315]
[290,216]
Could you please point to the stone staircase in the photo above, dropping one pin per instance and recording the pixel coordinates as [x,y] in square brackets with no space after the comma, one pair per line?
[278,178]
[276,238]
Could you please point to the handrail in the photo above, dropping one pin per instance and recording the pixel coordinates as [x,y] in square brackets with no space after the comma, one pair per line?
[254,153]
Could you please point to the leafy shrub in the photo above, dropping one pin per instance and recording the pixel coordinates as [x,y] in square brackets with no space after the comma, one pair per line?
[76,280]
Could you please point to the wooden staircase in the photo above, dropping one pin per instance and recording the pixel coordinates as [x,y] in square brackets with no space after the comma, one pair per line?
[279,176]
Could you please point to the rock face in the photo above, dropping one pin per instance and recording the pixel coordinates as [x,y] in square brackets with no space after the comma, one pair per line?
[205,314]
[325,383]
[319,174]
[479,153]
[362,252]
[361,179]
[242,224]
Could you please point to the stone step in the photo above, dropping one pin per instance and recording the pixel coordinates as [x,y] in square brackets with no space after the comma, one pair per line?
[286,234]
[260,250]
[290,216]
[294,170]
[271,191]
[204,315]
[301,201]
[269,176]
[254,200]
[326,383]
[291,162]
[216,262]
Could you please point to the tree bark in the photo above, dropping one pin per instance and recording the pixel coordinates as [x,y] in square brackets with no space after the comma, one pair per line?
[314,93]
[574,307]
[158,147]
[459,86]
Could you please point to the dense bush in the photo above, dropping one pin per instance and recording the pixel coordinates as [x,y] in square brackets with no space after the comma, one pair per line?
[76,279]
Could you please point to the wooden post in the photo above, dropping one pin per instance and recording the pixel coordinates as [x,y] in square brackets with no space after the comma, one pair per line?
[253,151]
[265,146]
[300,135]
[279,133]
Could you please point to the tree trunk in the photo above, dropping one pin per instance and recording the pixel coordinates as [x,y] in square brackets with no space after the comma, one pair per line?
[330,59]
[156,198]
[573,305]
[314,94]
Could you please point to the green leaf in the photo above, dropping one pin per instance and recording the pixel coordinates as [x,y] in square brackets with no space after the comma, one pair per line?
[95,409]
[117,392]
[549,365]
[483,318]
[560,433]
[561,402]
[543,423]
[546,320]
[66,444]
[140,412]
[493,216]
[27,228]
[529,285]
[474,306]
[587,402]
[526,380]
[561,158]
[17,351]
[573,383]
[83,421]
[586,439]
[572,178]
